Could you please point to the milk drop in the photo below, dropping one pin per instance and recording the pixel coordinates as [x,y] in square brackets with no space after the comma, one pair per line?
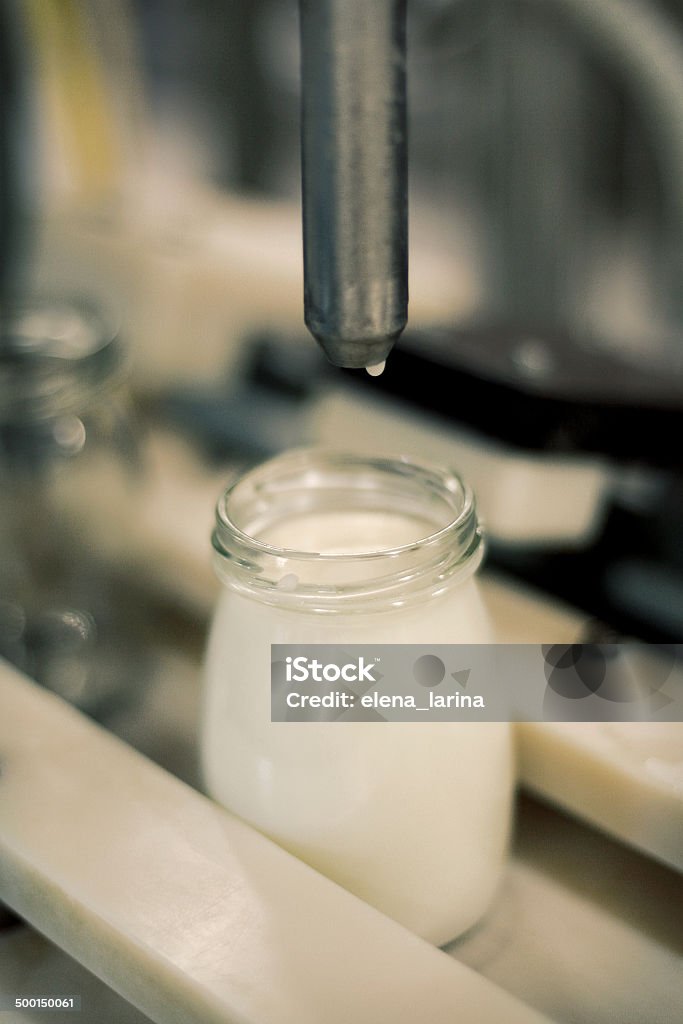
[376,370]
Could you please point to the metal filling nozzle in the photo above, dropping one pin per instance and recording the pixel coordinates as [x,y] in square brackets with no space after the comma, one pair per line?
[354,167]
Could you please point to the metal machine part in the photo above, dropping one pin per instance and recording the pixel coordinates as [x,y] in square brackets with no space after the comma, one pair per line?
[354,170]
[17,157]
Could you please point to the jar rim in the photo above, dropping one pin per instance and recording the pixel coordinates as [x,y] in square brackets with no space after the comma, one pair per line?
[463,526]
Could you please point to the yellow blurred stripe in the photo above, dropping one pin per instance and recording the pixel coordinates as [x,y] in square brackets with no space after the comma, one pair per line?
[76,94]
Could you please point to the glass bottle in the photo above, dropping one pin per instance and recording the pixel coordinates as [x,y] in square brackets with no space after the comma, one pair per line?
[66,447]
[315,547]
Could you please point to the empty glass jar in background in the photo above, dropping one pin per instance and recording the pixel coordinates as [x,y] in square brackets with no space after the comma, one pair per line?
[66,444]
[326,548]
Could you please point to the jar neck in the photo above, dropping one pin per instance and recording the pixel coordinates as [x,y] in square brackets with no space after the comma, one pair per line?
[433,508]
[56,359]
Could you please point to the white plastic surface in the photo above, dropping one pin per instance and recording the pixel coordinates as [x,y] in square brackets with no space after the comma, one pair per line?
[521,497]
[624,777]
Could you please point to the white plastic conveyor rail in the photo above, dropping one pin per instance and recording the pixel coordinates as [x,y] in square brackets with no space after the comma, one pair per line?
[186,911]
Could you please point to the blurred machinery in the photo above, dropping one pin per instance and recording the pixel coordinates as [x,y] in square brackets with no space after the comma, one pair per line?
[549,138]
[545,148]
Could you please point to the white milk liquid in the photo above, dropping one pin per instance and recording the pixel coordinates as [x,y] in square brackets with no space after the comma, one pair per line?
[411,817]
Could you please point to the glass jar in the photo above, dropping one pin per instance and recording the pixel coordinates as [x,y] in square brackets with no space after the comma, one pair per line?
[315,547]
[67,452]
